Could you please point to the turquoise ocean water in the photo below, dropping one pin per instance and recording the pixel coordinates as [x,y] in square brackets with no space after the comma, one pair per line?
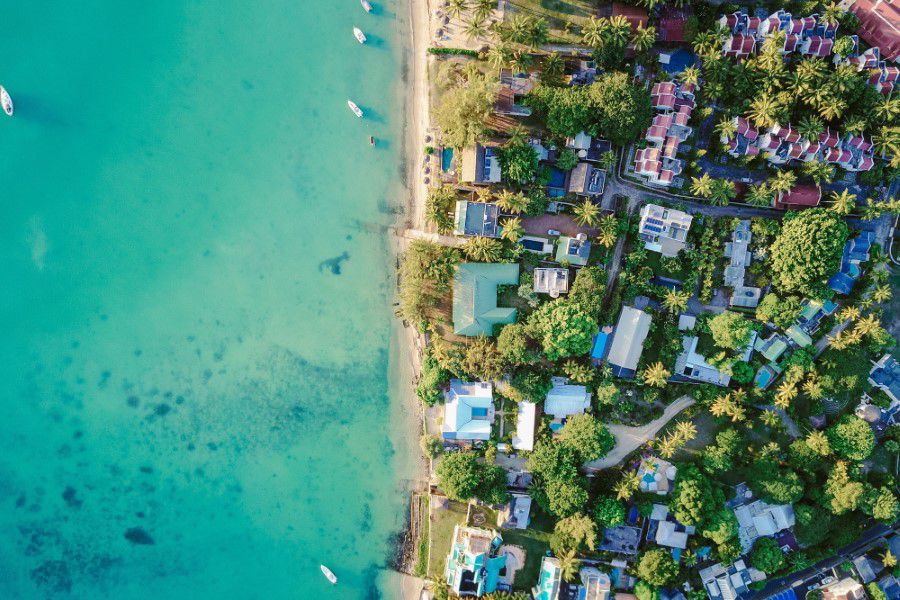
[195,295]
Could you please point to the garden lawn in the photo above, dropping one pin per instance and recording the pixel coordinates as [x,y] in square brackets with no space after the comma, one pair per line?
[441,535]
[536,544]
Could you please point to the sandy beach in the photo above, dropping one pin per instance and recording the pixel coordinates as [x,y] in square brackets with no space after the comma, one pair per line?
[419,108]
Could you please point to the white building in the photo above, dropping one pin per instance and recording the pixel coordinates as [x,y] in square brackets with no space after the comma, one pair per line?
[664,230]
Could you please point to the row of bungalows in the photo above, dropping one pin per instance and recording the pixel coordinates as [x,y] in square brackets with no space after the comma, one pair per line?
[783,144]
[810,36]
[882,76]
[674,103]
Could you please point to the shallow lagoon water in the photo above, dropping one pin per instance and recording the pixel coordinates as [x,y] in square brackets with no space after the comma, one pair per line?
[196,300]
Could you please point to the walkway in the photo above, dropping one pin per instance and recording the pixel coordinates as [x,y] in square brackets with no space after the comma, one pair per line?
[629,439]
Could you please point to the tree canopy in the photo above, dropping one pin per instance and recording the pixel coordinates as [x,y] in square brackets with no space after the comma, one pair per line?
[463,477]
[730,330]
[767,555]
[852,438]
[612,107]
[693,502]
[808,251]
[780,311]
[587,437]
[465,109]
[657,567]
[518,160]
[564,328]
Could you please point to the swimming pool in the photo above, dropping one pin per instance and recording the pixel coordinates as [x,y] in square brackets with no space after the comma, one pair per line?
[446,159]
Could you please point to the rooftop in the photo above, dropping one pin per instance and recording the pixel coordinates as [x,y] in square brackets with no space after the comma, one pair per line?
[475,310]
[468,411]
[628,341]
[564,400]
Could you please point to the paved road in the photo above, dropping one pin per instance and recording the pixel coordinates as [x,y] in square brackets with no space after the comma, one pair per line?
[629,439]
[872,537]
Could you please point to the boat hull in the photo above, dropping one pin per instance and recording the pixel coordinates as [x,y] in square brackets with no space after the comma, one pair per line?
[6,102]
[328,574]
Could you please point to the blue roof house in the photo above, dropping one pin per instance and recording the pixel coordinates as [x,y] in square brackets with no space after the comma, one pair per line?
[476,218]
[475,310]
[468,411]
[473,567]
[856,251]
[886,375]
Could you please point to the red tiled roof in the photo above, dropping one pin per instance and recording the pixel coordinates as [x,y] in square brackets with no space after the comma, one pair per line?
[665,87]
[682,116]
[664,101]
[752,150]
[813,148]
[866,163]
[666,176]
[671,29]
[636,16]
[829,138]
[791,42]
[799,196]
[657,132]
[880,25]
[890,73]
[795,151]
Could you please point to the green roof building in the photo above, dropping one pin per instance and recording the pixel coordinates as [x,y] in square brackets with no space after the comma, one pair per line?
[473,567]
[771,348]
[475,310]
[800,337]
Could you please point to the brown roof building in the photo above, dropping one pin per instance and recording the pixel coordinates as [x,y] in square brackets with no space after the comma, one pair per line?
[801,196]
[880,25]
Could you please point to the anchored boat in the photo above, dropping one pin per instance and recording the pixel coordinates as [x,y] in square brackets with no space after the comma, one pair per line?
[6,102]
[360,36]
[328,574]
[366,5]
[356,110]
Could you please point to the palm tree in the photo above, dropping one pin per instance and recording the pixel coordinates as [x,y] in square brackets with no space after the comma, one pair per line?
[818,171]
[685,430]
[726,128]
[832,108]
[786,392]
[888,559]
[887,142]
[769,418]
[887,109]
[627,486]
[510,202]
[656,375]
[643,38]
[881,293]
[831,13]
[552,67]
[499,56]
[619,30]
[649,4]
[675,301]
[690,76]
[606,238]
[587,213]
[568,565]
[593,32]
[763,111]
[810,127]
[512,229]
[455,8]
[483,249]
[521,61]
[707,43]
[782,182]
[484,8]
[608,159]
[702,186]
[813,388]
[759,195]
[848,313]
[722,192]
[666,447]
[721,406]
[843,203]
[578,372]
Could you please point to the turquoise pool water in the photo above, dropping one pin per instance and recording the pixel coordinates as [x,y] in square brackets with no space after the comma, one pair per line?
[446,159]
[196,291]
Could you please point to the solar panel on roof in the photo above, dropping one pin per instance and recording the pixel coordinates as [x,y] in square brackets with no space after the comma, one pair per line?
[654,221]
[653,228]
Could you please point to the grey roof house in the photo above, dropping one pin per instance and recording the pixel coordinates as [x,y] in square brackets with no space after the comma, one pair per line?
[480,165]
[692,366]
[738,251]
[553,281]
[476,218]
[573,250]
[664,230]
[587,180]
[628,341]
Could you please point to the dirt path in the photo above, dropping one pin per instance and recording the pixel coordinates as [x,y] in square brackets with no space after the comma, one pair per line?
[629,439]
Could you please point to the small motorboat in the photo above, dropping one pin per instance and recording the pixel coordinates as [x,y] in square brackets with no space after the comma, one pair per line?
[356,110]
[360,36]
[366,5]
[6,102]
[371,140]
[328,574]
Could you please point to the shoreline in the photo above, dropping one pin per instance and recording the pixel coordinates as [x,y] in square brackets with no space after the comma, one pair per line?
[406,344]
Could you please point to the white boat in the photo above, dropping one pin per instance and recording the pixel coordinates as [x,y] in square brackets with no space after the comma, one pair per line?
[360,36]
[328,574]
[5,101]
[356,110]
[366,5]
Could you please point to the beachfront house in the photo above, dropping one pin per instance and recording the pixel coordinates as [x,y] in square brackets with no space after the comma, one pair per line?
[475,310]
[587,180]
[692,366]
[573,251]
[473,566]
[628,342]
[468,411]
[480,165]
[564,400]
[552,281]
[515,513]
[664,230]
[476,218]
[524,436]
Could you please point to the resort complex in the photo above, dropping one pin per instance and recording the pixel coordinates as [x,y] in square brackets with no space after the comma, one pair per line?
[650,285]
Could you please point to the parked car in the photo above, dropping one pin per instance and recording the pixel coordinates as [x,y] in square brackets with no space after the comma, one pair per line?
[553,232]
